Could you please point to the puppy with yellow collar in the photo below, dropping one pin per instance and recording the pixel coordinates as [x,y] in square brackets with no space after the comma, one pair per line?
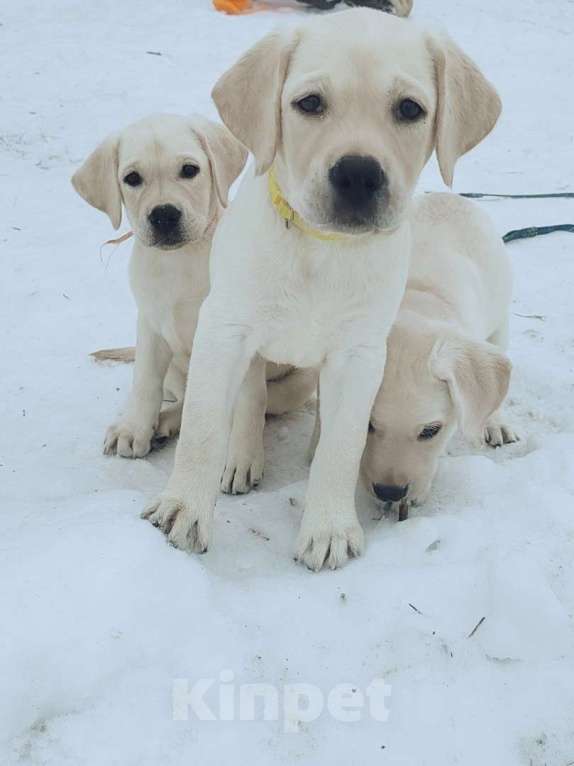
[309,265]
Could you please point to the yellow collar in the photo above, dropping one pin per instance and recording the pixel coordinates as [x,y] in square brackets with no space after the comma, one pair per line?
[291,217]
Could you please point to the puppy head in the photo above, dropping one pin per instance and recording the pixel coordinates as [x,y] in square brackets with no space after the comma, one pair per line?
[171,173]
[433,383]
[349,108]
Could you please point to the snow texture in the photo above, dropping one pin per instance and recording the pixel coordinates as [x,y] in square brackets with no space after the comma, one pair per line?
[99,615]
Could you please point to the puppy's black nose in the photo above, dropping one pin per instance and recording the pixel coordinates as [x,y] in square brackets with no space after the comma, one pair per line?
[164,218]
[390,493]
[357,180]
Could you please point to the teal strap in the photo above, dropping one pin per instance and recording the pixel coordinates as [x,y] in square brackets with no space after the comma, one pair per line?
[558,195]
[536,231]
[530,231]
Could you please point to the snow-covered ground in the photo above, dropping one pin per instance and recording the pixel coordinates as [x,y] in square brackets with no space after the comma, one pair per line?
[99,616]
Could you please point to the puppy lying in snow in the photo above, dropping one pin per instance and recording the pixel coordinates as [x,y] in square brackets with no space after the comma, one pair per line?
[309,264]
[446,366]
[173,175]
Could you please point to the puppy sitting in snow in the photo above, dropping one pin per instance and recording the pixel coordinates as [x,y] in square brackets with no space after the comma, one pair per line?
[310,263]
[172,174]
[446,366]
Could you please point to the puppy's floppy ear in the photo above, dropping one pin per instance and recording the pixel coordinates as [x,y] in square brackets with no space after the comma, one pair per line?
[477,375]
[226,155]
[97,180]
[468,105]
[248,96]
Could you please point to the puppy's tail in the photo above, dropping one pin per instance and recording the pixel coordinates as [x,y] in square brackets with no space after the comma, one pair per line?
[123,355]
[291,391]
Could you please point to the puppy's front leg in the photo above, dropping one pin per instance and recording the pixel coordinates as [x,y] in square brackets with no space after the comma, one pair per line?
[330,529]
[245,455]
[131,436]
[219,362]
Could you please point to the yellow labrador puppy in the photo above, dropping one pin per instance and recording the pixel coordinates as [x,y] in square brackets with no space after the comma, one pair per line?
[446,367]
[310,263]
[172,174]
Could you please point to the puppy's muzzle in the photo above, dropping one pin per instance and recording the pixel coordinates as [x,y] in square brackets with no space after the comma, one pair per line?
[165,221]
[359,185]
[390,493]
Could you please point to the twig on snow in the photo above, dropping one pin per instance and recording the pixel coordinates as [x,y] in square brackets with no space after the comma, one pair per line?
[476,627]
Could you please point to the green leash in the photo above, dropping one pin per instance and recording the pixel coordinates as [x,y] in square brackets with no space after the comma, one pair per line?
[558,195]
[530,231]
[536,231]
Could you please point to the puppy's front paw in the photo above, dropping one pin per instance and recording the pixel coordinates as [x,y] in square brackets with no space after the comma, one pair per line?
[329,542]
[244,467]
[128,440]
[496,434]
[185,526]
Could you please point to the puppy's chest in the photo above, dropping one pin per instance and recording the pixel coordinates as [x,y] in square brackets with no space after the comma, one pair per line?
[306,319]
[170,294]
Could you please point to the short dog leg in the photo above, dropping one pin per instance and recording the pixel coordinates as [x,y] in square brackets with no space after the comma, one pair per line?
[330,529]
[219,363]
[169,423]
[132,435]
[245,454]
[497,431]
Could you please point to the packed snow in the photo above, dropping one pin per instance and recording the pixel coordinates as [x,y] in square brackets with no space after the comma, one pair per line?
[465,611]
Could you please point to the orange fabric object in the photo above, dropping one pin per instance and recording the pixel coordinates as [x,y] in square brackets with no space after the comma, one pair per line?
[233,6]
[236,7]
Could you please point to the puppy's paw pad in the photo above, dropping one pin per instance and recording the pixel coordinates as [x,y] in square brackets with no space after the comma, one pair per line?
[127,441]
[329,547]
[169,424]
[161,513]
[498,434]
[189,532]
[184,529]
[242,473]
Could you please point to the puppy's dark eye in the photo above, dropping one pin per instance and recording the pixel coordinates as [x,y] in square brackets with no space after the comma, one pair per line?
[311,104]
[409,111]
[133,179]
[188,170]
[429,432]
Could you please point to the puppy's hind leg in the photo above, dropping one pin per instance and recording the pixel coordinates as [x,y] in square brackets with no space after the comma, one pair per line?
[169,422]
[245,455]
[291,391]
[132,435]
[497,431]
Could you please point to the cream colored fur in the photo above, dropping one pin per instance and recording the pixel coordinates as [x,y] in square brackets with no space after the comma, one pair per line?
[446,361]
[290,298]
[170,284]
